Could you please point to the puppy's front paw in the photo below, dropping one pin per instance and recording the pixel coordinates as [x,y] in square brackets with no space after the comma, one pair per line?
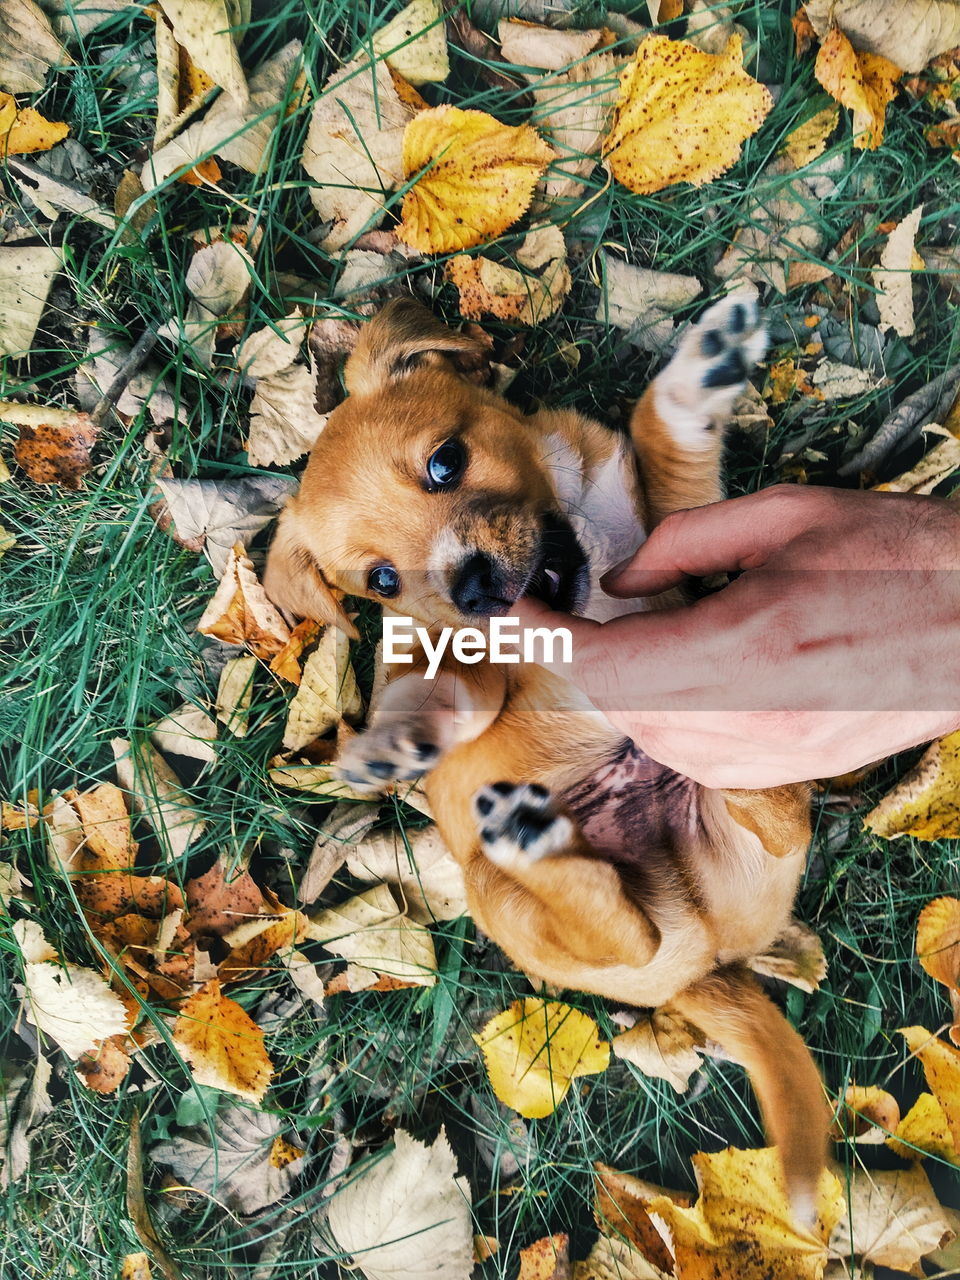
[709,371]
[388,753]
[519,823]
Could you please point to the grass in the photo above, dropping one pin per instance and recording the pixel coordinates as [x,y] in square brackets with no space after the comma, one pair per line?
[98,611]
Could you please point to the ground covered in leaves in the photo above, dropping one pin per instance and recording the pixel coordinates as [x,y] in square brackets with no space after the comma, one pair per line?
[247,1029]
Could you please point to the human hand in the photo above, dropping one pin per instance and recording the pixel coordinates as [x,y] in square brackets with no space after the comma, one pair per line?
[838,644]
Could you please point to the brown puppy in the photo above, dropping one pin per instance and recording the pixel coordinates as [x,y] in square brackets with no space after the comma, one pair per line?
[592,866]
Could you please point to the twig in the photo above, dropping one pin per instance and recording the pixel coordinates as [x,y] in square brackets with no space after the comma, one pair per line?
[462,33]
[925,405]
[137,1205]
[134,362]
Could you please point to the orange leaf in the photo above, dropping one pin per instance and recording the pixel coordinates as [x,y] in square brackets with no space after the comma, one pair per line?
[286,664]
[240,612]
[104,1069]
[283,1153]
[57,452]
[864,82]
[223,1044]
[546,1259]
[110,845]
[26,130]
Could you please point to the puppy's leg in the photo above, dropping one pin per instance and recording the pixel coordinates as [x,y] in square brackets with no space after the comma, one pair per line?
[417,720]
[587,912]
[677,426]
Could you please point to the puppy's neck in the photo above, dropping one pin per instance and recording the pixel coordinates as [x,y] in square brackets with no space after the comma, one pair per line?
[594,476]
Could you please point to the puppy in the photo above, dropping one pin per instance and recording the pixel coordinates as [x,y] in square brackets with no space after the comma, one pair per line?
[591,865]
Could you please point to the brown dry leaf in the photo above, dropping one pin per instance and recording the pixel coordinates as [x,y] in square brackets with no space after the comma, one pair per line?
[407,1214]
[108,841]
[743,1225]
[136,1266]
[868,1115]
[217,280]
[155,791]
[664,133]
[28,47]
[530,44]
[317,779]
[614,1259]
[423,58]
[664,1045]
[203,28]
[186,731]
[809,140]
[428,878]
[911,32]
[803,32]
[235,694]
[253,942]
[23,130]
[940,464]
[795,957]
[354,148]
[182,88]
[941,1066]
[620,1209]
[524,296]
[105,1068]
[894,280]
[944,135]
[286,664]
[926,802]
[370,931]
[546,1259]
[26,272]
[535,1049]
[892,1219]
[284,423]
[864,82]
[477,178]
[924,1131]
[223,1044]
[240,613]
[221,899]
[327,694]
[58,451]
[643,301]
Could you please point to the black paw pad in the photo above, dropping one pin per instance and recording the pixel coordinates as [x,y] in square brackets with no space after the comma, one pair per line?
[711,343]
[425,750]
[526,826]
[502,788]
[483,805]
[488,835]
[381,768]
[538,792]
[738,318]
[730,370]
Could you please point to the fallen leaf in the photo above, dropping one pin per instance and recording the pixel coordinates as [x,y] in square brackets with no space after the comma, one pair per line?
[57,452]
[342,827]
[546,1259]
[217,280]
[614,1259]
[274,347]
[863,82]
[663,131]
[284,423]
[892,1218]
[414,43]
[803,32]
[476,177]
[940,464]
[809,140]
[370,931]
[938,941]
[286,663]
[407,1215]
[215,515]
[155,791]
[24,1101]
[524,296]
[317,779]
[221,899]
[834,381]
[924,1131]
[742,1225]
[72,1005]
[233,1163]
[28,47]
[662,1044]
[23,130]
[620,1210]
[530,44]
[108,843]
[868,1115]
[925,803]
[186,731]
[223,1044]
[710,25]
[643,301]
[911,32]
[304,976]
[428,878]
[235,694]
[354,148]
[182,87]
[327,694]
[26,272]
[148,389]
[796,956]
[240,613]
[534,1051]
[105,1068]
[941,1067]
[894,280]
[203,27]
[135,1266]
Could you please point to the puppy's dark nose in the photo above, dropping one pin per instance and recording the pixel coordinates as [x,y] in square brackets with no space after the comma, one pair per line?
[481,587]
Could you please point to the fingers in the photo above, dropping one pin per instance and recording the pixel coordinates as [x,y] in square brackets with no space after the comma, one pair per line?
[740,533]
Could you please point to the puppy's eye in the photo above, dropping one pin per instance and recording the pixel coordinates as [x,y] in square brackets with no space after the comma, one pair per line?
[445,466]
[384,580]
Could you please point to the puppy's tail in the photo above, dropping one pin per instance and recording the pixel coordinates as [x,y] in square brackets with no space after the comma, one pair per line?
[730,1007]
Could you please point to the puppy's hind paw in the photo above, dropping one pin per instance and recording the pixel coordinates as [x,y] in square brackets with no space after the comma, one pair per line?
[519,823]
[709,371]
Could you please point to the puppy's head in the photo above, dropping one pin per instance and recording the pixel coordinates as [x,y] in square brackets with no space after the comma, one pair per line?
[424,492]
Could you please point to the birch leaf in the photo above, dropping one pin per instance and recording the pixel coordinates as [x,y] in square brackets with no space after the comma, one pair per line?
[24,130]
[526,295]
[57,451]
[910,32]
[942,462]
[893,1218]
[809,140]
[408,1215]
[663,1045]
[369,930]
[643,301]
[863,82]
[894,278]
[924,1131]
[926,802]
[28,47]
[284,423]
[868,1115]
[423,58]
[223,1044]
[941,1066]
[235,694]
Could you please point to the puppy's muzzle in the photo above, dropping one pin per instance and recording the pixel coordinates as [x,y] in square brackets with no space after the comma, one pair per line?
[482,587]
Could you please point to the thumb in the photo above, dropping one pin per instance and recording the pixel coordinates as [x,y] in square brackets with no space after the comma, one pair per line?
[542,636]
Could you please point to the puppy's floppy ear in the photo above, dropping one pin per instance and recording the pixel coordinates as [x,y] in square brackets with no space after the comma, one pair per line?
[293,581]
[405,336]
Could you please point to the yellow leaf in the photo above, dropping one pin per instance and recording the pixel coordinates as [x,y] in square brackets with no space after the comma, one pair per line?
[743,1226]
[910,31]
[110,845]
[223,1044]
[864,82]
[868,1115]
[478,177]
[155,791]
[620,1209]
[414,43]
[682,115]
[663,1045]
[26,130]
[941,1066]
[524,296]
[926,802]
[924,1131]
[203,28]
[136,1266]
[240,613]
[546,1259]
[893,1218]
[938,940]
[286,664]
[893,280]
[328,692]
[534,1051]
[809,140]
